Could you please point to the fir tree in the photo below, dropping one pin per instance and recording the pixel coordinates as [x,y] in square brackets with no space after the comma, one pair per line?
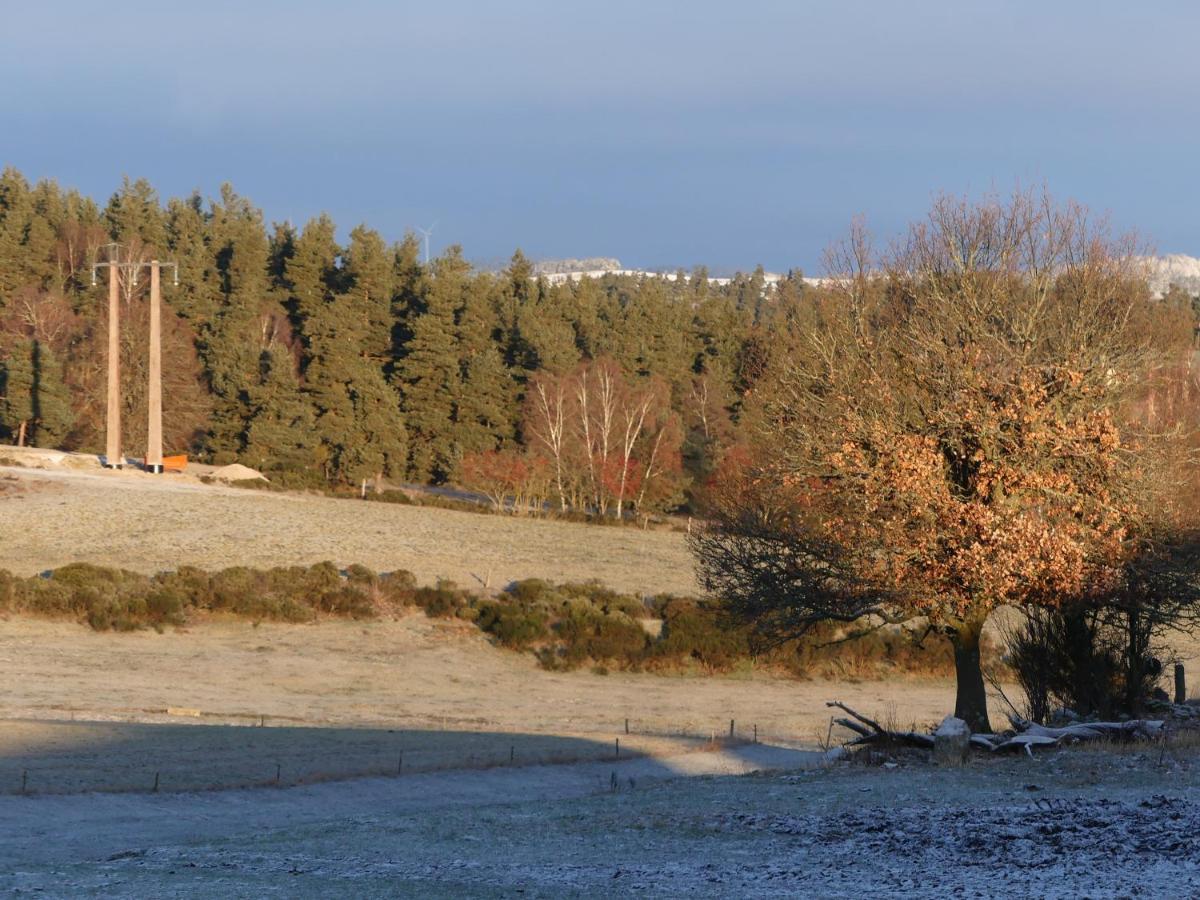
[485,409]
[198,296]
[311,271]
[35,405]
[134,216]
[234,342]
[280,435]
[429,372]
[368,278]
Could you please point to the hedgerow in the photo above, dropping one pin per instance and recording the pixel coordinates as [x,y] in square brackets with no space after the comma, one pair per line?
[566,626]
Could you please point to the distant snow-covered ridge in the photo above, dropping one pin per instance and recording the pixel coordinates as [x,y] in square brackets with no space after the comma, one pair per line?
[1163,271]
[1176,268]
[561,271]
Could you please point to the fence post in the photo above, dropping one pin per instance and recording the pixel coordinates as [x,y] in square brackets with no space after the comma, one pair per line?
[756,733]
[156,782]
[1180,684]
[627,726]
[731,728]
[24,779]
[618,748]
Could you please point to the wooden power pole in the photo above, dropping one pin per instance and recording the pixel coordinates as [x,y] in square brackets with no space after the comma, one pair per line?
[154,451]
[154,439]
[112,452]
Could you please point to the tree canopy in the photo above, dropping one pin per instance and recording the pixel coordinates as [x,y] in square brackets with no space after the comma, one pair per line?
[319,360]
[959,426]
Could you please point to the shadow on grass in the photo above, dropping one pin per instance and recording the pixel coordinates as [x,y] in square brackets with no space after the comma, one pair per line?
[40,757]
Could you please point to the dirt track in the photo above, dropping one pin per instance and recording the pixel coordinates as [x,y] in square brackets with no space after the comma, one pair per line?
[150,523]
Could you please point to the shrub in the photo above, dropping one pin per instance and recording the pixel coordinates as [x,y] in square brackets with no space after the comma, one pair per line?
[1093,661]
[166,606]
[273,594]
[591,635]
[606,599]
[398,588]
[391,496]
[694,630]
[296,479]
[512,625]
[349,600]
[444,601]
[531,590]
[356,574]
[8,589]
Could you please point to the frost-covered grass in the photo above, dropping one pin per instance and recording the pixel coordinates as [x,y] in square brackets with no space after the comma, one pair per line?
[1071,823]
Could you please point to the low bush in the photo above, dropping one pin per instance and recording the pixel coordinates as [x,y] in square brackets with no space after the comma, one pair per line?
[694,630]
[391,496]
[444,601]
[512,625]
[1094,661]
[398,588]
[600,636]
[567,626]
[8,589]
[532,590]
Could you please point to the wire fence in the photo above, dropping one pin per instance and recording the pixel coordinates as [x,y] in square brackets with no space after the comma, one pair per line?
[40,757]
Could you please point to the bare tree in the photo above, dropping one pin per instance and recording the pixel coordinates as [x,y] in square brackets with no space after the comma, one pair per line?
[546,403]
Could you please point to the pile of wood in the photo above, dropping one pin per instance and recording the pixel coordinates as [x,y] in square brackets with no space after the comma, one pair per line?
[1024,736]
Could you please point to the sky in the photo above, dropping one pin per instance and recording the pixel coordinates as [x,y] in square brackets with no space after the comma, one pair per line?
[664,134]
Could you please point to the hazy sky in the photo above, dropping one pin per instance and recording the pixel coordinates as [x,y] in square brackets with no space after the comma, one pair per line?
[729,133]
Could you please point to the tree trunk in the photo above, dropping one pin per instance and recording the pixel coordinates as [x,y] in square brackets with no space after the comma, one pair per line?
[21,434]
[970,702]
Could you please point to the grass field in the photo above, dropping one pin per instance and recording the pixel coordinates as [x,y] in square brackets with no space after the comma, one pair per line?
[411,755]
[146,523]
[89,710]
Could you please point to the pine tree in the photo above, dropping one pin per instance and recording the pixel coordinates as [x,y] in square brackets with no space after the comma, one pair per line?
[485,406]
[311,271]
[380,439]
[135,217]
[198,296]
[35,405]
[280,436]
[429,373]
[546,337]
[368,279]
[234,342]
[16,211]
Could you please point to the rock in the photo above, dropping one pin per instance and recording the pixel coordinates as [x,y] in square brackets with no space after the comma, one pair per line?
[951,742]
[238,472]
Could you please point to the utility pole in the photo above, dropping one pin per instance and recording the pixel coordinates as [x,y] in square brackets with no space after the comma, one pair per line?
[130,267]
[112,453]
[112,423]
[154,453]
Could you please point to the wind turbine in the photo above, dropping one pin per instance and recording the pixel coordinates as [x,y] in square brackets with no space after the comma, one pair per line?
[427,232]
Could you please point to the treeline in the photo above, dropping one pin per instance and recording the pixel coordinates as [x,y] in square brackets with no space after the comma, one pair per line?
[318,362]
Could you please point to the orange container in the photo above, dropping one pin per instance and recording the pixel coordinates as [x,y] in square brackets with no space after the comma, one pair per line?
[175,463]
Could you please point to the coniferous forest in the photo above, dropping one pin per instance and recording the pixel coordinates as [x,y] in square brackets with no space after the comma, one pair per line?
[322,364]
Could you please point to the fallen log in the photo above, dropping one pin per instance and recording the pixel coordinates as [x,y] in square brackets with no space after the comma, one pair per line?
[1030,734]
[869,731]
[1026,735]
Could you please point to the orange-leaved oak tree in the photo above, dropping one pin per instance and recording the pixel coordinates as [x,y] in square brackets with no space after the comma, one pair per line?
[954,427]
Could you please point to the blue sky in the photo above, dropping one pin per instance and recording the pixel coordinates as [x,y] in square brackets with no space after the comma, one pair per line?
[661,133]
